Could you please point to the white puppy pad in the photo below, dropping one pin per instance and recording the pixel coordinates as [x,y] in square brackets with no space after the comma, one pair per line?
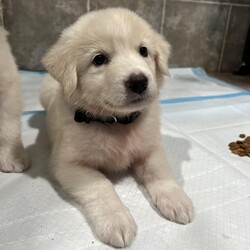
[200,116]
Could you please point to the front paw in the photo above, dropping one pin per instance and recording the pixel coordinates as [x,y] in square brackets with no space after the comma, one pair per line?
[13,158]
[173,203]
[17,165]
[14,165]
[116,228]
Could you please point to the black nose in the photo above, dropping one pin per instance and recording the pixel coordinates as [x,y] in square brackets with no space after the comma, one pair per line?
[137,83]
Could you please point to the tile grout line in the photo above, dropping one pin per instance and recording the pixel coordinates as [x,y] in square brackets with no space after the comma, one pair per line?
[224,38]
[163,16]
[88,5]
[1,13]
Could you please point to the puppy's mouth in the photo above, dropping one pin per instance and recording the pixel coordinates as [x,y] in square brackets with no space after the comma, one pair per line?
[131,102]
[137,101]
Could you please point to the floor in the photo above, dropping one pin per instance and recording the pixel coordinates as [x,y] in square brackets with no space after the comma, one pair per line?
[240,81]
[199,118]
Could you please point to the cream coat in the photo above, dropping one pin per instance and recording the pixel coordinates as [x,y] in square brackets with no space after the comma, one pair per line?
[12,155]
[82,153]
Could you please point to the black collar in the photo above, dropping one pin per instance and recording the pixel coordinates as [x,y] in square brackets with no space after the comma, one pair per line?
[84,116]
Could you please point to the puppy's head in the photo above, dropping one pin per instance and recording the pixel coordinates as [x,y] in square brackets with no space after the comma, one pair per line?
[109,62]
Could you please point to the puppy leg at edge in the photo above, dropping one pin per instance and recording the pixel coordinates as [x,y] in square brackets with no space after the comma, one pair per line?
[12,154]
[13,157]
[110,219]
[167,196]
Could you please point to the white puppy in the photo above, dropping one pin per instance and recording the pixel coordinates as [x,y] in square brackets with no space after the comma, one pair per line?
[12,154]
[103,116]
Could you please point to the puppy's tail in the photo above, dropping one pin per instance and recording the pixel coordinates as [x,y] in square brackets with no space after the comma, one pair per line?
[48,91]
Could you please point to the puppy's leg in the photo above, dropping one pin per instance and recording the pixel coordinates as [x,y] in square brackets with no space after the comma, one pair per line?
[110,219]
[166,195]
[12,154]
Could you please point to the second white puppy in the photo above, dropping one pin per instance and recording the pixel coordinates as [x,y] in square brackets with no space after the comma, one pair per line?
[13,157]
[103,115]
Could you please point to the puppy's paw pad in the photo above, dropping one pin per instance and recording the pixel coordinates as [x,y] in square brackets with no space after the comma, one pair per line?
[15,165]
[176,206]
[117,229]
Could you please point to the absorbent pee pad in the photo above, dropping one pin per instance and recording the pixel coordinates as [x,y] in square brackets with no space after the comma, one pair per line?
[200,116]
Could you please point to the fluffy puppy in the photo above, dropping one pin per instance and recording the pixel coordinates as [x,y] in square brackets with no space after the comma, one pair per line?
[103,116]
[12,154]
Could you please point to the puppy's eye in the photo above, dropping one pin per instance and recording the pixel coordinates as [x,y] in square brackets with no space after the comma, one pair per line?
[99,60]
[143,51]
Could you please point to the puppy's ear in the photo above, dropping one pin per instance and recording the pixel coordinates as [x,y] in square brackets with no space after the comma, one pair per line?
[162,54]
[59,62]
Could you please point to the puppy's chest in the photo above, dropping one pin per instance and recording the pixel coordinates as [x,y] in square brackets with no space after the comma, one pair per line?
[115,149]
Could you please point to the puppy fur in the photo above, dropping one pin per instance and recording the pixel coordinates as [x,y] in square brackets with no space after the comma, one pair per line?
[82,153]
[12,155]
